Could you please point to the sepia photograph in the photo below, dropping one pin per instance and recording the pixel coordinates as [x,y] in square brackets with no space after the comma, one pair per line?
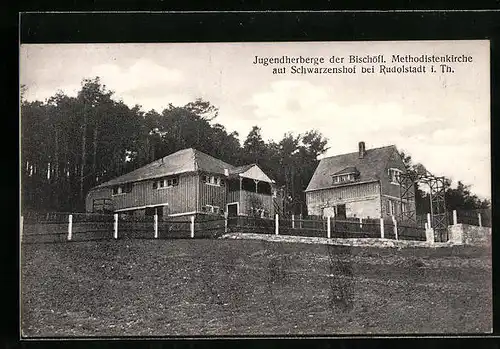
[255,189]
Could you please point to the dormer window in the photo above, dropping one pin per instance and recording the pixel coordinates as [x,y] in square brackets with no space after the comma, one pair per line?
[348,174]
[394,175]
[349,177]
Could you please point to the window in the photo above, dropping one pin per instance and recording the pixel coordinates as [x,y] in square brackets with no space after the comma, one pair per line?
[122,189]
[127,188]
[166,183]
[211,209]
[404,207]
[394,175]
[213,180]
[391,207]
[172,182]
[348,177]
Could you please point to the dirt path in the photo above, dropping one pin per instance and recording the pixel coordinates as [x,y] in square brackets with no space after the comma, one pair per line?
[362,242]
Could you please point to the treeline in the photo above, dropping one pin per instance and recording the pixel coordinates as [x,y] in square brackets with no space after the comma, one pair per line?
[70,144]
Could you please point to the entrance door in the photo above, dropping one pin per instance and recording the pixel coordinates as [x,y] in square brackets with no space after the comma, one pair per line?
[232,210]
[232,214]
[341,214]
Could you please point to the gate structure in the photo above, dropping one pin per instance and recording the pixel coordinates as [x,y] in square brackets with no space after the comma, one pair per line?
[437,189]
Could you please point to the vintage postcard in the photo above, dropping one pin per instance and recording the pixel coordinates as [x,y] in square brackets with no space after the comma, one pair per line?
[255,189]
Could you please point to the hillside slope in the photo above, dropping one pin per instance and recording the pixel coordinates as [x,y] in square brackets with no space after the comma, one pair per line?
[249,287]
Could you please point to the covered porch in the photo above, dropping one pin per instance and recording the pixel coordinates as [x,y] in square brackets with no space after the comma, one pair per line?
[250,192]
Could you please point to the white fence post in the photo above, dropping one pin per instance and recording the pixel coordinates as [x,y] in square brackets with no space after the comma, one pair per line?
[225,221]
[277,224]
[429,224]
[293,221]
[479,217]
[429,235]
[455,220]
[382,235]
[192,227]
[360,223]
[156,225]
[70,227]
[115,226]
[21,226]
[300,222]
[328,227]
[395,223]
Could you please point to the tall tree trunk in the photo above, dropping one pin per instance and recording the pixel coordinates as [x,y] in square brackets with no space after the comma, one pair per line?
[94,159]
[56,167]
[145,158]
[84,145]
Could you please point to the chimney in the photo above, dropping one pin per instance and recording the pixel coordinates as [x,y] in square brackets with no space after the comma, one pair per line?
[226,172]
[362,150]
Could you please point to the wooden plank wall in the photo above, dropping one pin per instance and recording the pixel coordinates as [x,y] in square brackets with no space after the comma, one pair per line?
[318,199]
[180,198]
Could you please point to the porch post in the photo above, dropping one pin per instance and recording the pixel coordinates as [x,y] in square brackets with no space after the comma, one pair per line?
[429,225]
[455,220]
[293,221]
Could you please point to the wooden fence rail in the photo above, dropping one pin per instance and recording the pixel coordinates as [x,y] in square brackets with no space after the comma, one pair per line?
[60,226]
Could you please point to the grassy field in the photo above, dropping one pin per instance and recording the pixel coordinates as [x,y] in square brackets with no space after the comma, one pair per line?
[250,287]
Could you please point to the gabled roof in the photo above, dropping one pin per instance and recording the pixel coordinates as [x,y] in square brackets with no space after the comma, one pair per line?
[252,171]
[371,167]
[241,169]
[186,160]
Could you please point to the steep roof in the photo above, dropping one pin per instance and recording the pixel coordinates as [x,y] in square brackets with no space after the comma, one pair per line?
[182,161]
[370,167]
[252,171]
[241,169]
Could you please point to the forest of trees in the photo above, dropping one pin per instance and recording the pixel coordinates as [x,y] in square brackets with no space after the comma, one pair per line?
[70,144]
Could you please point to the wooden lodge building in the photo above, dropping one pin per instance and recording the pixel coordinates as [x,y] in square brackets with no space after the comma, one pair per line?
[187,182]
[361,184]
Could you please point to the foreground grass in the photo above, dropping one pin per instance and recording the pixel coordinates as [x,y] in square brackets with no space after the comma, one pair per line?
[247,287]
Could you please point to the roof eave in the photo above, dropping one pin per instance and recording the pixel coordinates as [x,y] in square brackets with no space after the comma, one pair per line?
[104,185]
[342,185]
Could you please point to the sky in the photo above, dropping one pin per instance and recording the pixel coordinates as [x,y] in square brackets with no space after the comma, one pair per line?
[441,119]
